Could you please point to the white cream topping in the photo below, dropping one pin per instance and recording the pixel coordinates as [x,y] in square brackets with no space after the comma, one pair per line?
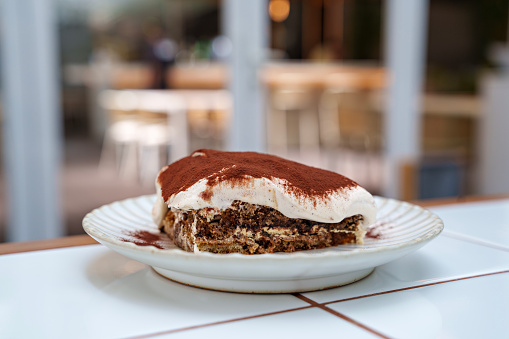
[273,193]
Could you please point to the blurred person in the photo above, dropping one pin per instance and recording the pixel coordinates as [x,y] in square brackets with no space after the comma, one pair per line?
[161,53]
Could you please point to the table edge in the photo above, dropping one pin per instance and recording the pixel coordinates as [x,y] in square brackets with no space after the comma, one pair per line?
[46,244]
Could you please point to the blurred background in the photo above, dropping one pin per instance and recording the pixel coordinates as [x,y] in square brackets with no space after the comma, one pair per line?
[409,100]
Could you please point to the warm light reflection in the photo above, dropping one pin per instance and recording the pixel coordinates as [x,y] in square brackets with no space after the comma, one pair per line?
[279,10]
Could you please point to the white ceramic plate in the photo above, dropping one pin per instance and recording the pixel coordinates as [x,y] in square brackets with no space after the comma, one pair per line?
[401,228]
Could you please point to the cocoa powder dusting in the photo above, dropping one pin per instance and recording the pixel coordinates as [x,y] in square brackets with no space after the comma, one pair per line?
[145,238]
[373,233]
[239,168]
[379,229]
[207,194]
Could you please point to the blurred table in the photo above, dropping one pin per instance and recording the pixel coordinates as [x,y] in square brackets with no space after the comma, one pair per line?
[323,76]
[143,122]
[314,94]
[73,287]
[214,75]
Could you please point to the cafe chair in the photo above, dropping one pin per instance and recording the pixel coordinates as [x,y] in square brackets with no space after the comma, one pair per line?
[151,133]
[350,129]
[119,150]
[293,104]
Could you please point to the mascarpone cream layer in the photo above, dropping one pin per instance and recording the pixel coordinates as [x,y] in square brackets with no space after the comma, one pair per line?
[273,193]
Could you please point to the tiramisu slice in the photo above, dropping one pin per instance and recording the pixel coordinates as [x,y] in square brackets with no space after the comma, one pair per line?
[250,203]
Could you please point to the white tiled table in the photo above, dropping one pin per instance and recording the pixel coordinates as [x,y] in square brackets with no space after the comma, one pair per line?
[455,287]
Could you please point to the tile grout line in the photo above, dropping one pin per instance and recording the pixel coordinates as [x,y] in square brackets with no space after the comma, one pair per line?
[182,329]
[414,287]
[339,315]
[313,304]
[324,307]
[475,240]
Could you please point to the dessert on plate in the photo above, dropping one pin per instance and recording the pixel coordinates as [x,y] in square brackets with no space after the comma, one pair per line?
[252,203]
